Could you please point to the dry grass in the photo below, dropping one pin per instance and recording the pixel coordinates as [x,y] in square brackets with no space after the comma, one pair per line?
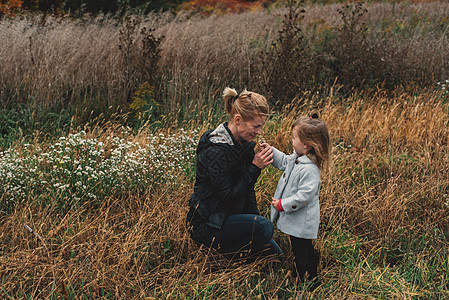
[79,61]
[390,163]
[383,233]
[393,154]
[385,202]
[59,60]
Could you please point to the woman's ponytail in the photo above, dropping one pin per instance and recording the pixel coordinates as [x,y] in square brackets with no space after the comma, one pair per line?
[230,96]
[247,104]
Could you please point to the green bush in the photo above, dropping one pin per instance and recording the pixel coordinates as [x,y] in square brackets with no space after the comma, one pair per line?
[78,170]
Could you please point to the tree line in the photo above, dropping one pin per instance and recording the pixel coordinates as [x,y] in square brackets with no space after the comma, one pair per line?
[11,7]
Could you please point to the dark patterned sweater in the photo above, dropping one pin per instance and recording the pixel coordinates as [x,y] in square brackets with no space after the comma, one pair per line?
[225,179]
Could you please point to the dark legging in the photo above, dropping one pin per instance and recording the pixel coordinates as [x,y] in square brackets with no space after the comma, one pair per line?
[306,258]
[242,233]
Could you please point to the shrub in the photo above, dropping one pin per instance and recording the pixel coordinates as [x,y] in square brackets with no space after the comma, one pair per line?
[140,50]
[286,66]
[144,108]
[79,170]
[9,7]
[352,55]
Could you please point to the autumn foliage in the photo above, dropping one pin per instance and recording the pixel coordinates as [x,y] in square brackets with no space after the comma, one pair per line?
[208,7]
[9,7]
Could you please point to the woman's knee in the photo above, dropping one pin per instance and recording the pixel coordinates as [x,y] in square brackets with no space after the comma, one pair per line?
[265,229]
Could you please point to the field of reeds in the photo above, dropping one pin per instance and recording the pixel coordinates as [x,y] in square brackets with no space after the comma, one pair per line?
[98,126]
[93,66]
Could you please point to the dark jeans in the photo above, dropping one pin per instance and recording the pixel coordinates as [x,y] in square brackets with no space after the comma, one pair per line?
[242,233]
[306,258]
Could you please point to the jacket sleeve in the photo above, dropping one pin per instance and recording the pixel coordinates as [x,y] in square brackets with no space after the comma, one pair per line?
[279,159]
[222,181]
[308,187]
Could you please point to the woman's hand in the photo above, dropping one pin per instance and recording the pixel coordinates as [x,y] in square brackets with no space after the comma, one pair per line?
[264,157]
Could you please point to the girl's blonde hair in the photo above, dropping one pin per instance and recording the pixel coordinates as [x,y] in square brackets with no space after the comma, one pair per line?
[313,132]
[247,104]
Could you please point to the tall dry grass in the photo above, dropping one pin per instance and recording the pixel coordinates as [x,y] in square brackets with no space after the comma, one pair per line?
[383,231]
[390,161]
[393,154]
[61,60]
[385,202]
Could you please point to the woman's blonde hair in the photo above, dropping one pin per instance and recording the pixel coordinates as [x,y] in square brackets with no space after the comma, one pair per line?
[247,104]
[313,132]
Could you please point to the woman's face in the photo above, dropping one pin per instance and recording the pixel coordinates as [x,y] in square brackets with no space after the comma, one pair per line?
[248,130]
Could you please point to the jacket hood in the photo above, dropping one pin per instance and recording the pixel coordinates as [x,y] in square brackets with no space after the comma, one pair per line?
[222,136]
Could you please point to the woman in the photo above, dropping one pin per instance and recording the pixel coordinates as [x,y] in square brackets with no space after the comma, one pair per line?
[223,209]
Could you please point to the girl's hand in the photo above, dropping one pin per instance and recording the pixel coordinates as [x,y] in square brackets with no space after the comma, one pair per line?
[264,145]
[275,203]
[264,157]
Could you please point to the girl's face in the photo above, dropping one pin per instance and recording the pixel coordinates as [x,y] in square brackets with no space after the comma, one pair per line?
[299,146]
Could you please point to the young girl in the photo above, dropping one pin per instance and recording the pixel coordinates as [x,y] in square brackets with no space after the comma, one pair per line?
[295,205]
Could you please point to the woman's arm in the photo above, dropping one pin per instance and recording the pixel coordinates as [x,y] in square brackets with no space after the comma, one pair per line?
[222,179]
[264,157]
[251,204]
